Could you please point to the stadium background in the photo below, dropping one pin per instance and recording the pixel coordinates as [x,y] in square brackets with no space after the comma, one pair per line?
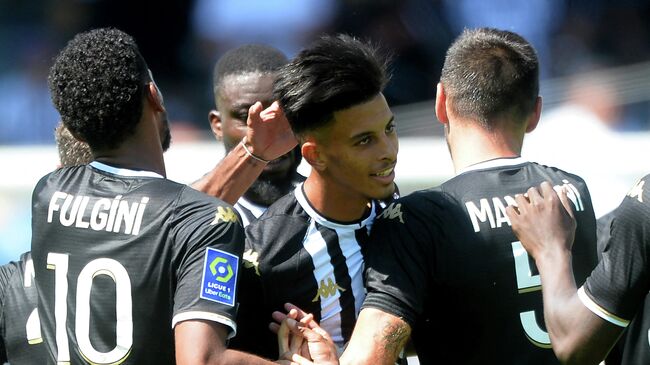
[601,46]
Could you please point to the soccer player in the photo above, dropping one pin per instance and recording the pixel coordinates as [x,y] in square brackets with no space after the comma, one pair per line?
[585,323]
[20,328]
[131,268]
[445,260]
[308,247]
[243,77]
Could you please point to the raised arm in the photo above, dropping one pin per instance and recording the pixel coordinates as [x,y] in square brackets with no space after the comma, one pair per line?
[268,137]
[378,338]
[544,223]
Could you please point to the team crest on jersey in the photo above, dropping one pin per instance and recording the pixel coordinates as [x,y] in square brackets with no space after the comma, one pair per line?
[219,282]
[393,211]
[226,214]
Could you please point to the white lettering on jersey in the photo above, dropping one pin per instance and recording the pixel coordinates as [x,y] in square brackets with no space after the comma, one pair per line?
[104,214]
[493,210]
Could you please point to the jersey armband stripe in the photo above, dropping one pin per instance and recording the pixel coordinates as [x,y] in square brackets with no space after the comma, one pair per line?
[188,316]
[600,311]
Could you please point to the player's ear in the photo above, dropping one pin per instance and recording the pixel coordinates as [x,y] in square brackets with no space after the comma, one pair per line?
[155,97]
[215,124]
[531,124]
[311,153]
[441,104]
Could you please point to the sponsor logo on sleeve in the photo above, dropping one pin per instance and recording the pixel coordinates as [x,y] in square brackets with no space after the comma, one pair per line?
[224,214]
[393,211]
[219,282]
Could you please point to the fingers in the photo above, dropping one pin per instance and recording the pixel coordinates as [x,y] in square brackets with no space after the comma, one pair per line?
[254,114]
[283,337]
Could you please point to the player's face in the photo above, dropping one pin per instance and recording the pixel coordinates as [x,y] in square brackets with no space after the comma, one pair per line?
[238,94]
[359,151]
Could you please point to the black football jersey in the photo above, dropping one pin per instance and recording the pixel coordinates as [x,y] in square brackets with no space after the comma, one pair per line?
[294,254]
[19,324]
[446,260]
[121,256]
[617,290]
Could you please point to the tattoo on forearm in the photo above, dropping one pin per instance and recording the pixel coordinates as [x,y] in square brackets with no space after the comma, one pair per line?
[394,337]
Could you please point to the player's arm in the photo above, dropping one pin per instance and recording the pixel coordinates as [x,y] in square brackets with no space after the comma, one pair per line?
[268,137]
[544,224]
[378,338]
[204,342]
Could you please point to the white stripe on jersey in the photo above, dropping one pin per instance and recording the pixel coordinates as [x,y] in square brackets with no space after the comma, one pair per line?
[124,172]
[248,210]
[599,311]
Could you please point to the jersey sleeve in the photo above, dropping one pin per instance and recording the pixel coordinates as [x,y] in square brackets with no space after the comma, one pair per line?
[399,256]
[618,286]
[210,241]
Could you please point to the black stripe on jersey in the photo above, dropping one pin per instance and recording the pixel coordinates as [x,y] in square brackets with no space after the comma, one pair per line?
[342,277]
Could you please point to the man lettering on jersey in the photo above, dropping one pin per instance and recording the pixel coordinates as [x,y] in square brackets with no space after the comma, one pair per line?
[243,78]
[309,245]
[446,259]
[585,323]
[132,268]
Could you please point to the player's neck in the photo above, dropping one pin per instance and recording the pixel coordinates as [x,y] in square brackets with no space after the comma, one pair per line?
[136,153]
[333,201]
[472,145]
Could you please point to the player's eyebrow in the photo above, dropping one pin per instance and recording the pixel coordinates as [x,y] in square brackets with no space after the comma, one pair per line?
[370,133]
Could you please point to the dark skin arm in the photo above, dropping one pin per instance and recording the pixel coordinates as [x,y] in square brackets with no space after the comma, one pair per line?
[268,136]
[544,223]
[200,342]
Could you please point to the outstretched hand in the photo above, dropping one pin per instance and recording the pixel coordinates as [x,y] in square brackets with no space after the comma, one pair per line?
[269,134]
[543,220]
[300,338]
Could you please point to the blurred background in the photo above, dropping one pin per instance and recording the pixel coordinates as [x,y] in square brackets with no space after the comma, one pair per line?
[594,59]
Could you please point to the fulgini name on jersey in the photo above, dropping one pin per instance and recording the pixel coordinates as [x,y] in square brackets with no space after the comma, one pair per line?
[104,213]
[493,210]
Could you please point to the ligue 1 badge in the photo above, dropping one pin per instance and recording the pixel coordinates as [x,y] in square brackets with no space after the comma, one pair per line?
[219,276]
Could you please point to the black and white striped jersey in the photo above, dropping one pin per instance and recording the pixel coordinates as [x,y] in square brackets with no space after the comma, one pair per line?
[294,254]
[446,260]
[617,290]
[121,256]
[20,327]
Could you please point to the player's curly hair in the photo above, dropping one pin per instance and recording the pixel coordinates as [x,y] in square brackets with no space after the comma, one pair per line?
[97,84]
[332,74]
[490,73]
[72,152]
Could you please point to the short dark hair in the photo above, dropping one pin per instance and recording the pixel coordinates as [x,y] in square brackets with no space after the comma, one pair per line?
[97,84]
[72,152]
[489,73]
[247,58]
[332,74]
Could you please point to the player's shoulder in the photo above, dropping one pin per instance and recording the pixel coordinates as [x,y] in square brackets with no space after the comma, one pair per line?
[556,173]
[638,197]
[421,203]
[284,221]
[11,273]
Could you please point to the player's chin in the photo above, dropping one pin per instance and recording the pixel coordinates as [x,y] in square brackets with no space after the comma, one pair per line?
[383,191]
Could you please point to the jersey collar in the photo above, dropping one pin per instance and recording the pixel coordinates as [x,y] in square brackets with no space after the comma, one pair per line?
[124,172]
[497,162]
[304,203]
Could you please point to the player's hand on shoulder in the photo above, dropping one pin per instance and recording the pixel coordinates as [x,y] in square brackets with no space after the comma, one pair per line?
[543,220]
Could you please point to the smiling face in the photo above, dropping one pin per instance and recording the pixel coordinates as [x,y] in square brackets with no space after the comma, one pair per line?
[358,152]
[235,97]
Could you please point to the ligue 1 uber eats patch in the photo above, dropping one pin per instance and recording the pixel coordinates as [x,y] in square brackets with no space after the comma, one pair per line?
[219,276]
